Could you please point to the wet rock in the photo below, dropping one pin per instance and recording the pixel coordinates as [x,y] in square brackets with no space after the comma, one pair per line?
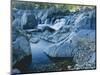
[21,52]
[31,22]
[63,50]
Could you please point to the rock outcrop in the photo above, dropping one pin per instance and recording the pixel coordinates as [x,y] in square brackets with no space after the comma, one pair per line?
[31,22]
[63,50]
[85,51]
[86,20]
[21,49]
[72,35]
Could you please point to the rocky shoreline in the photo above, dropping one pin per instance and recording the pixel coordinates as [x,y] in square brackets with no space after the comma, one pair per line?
[72,35]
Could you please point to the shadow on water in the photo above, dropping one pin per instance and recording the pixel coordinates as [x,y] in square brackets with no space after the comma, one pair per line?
[41,62]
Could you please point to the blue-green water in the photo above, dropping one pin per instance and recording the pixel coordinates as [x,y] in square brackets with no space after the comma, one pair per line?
[42,62]
[38,56]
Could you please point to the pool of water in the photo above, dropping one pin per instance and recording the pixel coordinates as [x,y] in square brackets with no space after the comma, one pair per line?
[38,56]
[44,63]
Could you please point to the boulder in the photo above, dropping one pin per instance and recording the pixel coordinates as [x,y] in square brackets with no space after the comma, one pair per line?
[84,53]
[31,22]
[21,51]
[69,47]
[16,25]
[83,33]
[63,50]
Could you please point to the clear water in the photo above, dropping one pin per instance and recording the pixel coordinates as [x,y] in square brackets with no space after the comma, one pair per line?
[38,56]
[42,62]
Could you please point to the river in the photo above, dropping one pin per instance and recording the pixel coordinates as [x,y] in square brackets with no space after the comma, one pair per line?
[38,56]
[43,63]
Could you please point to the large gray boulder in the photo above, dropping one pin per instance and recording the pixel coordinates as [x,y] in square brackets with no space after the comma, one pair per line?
[21,51]
[63,50]
[68,47]
[22,44]
[84,53]
[31,22]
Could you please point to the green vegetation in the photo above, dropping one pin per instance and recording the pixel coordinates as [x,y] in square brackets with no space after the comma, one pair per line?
[35,5]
